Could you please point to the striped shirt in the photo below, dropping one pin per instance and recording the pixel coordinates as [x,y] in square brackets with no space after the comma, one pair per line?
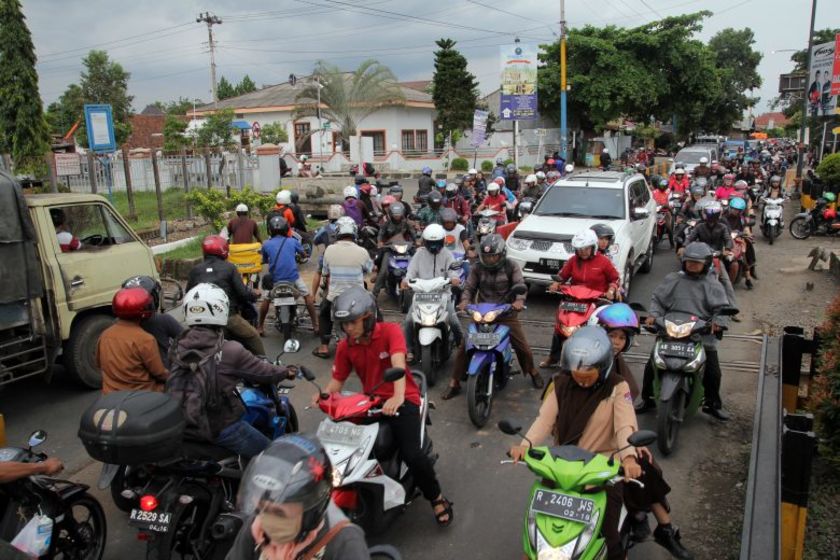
[346,265]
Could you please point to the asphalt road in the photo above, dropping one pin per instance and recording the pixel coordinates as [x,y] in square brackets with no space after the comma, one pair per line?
[490,498]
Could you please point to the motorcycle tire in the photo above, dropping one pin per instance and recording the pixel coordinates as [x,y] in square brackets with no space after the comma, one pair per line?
[369,515]
[171,545]
[800,228]
[68,531]
[772,235]
[427,366]
[292,424]
[479,405]
[669,418]
[118,484]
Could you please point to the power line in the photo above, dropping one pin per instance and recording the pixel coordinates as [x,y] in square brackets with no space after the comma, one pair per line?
[106,43]
[649,7]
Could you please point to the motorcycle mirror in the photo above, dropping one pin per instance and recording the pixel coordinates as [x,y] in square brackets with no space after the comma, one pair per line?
[291,346]
[507,427]
[307,373]
[642,438]
[393,374]
[37,438]
[728,311]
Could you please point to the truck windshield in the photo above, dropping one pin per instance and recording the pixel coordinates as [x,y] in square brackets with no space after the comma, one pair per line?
[584,202]
[690,157]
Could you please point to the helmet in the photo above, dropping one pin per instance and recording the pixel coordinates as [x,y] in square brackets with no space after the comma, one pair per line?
[679,171]
[619,316]
[346,226]
[435,198]
[353,303]
[440,183]
[584,239]
[396,190]
[278,225]
[334,212]
[283,197]
[589,347]
[697,251]
[552,175]
[215,245]
[294,469]
[775,179]
[447,215]
[360,180]
[603,230]
[350,192]
[492,244]
[499,181]
[530,179]
[133,304]
[829,214]
[737,203]
[697,189]
[304,158]
[680,165]
[569,168]
[396,210]
[147,283]
[499,161]
[241,208]
[526,206]
[551,161]
[729,177]
[704,160]
[663,184]
[711,212]
[539,174]
[511,168]
[472,171]
[206,304]
[427,170]
[388,200]
[433,237]
[741,185]
[493,186]
[640,167]
[451,188]
[830,196]
[605,151]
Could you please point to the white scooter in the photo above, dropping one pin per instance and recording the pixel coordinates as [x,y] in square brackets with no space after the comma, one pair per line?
[772,218]
[430,314]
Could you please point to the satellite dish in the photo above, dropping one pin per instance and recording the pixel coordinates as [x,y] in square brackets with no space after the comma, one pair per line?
[292,80]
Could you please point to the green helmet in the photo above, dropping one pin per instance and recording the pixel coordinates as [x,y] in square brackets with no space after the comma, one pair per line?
[830,196]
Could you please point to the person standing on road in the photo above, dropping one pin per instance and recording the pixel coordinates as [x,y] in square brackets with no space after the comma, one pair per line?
[606,159]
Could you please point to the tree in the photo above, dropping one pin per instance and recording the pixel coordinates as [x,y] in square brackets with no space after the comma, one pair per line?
[182,106]
[225,89]
[105,81]
[737,63]
[216,129]
[274,133]
[67,111]
[347,98]
[454,89]
[173,133]
[23,128]
[247,85]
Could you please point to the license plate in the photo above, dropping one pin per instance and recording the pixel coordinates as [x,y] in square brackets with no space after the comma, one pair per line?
[574,306]
[427,298]
[284,301]
[677,349]
[484,338]
[550,263]
[563,506]
[157,521]
[343,433]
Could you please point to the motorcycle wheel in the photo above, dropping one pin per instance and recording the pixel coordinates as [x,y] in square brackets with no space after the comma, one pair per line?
[177,543]
[369,515]
[800,228]
[292,424]
[426,365]
[118,484]
[772,236]
[669,417]
[479,404]
[83,531]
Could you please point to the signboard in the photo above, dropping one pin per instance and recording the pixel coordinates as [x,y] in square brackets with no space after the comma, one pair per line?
[518,82]
[326,125]
[835,74]
[255,129]
[100,128]
[821,102]
[479,130]
[68,165]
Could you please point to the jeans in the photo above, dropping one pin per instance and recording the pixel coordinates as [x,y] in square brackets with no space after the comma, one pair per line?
[243,439]
[455,328]
[325,322]
[406,430]
[382,274]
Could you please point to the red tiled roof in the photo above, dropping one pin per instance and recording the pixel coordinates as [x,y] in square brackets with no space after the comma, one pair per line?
[763,120]
[147,131]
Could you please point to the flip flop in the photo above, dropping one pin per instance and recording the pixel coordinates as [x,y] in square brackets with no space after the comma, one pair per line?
[322,355]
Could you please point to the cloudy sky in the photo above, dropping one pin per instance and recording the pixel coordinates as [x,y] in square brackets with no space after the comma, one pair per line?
[165,50]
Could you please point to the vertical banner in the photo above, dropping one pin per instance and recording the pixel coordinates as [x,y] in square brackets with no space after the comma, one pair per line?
[821,100]
[835,78]
[100,128]
[518,82]
[479,129]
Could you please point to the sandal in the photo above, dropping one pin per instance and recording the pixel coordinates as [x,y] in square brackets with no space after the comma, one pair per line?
[451,391]
[319,354]
[547,363]
[444,518]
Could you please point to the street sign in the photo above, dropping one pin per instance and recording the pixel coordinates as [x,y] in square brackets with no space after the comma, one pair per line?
[256,129]
[68,165]
[100,128]
[326,125]
[518,99]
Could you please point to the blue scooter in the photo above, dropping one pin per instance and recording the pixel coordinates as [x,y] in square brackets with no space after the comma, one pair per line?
[398,260]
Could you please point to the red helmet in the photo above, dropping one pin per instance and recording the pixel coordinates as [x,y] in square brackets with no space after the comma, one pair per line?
[215,245]
[388,199]
[729,177]
[133,304]
[551,162]
[829,214]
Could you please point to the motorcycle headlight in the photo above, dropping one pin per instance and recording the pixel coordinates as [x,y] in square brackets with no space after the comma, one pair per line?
[428,320]
[400,249]
[518,244]
[547,552]
[476,316]
[490,316]
[678,331]
[697,362]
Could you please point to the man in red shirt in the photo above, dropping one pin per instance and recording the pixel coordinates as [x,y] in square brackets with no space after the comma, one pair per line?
[370,348]
[678,182]
[495,200]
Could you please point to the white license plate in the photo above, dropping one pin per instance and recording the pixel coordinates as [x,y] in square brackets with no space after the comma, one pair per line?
[284,301]
[157,521]
[341,432]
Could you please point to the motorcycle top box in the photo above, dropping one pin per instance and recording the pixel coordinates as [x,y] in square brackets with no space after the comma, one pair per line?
[132,428]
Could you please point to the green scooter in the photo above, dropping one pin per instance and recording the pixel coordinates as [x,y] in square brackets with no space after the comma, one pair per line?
[568,501]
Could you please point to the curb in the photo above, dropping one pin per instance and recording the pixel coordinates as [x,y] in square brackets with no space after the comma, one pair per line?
[165,247]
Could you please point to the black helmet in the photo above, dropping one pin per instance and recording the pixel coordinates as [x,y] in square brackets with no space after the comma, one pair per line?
[492,244]
[448,215]
[603,230]
[395,190]
[697,189]
[278,225]
[435,198]
[697,251]
[292,470]
[510,168]
[360,180]
[295,197]
[148,283]
[588,347]
[353,303]
[397,209]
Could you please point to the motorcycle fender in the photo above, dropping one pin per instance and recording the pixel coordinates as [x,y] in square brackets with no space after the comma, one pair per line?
[772,222]
[71,489]
[806,215]
[669,383]
[477,361]
[428,335]
[107,475]
[393,493]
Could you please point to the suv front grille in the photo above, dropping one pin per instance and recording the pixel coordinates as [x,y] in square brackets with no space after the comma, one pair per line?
[541,245]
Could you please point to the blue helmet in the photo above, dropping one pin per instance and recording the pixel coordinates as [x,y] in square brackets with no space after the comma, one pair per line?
[440,183]
[738,203]
[620,316]
[427,170]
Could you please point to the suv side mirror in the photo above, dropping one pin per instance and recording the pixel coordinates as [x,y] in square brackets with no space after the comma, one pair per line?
[640,213]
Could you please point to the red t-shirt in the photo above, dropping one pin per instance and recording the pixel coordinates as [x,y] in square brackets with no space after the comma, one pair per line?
[372,359]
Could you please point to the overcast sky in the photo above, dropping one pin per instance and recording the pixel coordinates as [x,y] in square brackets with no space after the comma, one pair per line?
[165,50]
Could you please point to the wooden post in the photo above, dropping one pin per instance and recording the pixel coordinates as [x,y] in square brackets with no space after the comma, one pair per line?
[207,168]
[240,169]
[186,176]
[50,157]
[158,192]
[92,171]
[129,188]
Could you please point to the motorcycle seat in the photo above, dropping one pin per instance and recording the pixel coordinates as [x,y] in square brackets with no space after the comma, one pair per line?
[202,450]
[386,445]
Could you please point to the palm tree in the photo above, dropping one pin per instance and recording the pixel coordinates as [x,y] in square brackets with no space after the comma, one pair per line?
[347,98]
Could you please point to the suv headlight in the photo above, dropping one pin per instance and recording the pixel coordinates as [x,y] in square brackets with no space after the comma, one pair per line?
[519,244]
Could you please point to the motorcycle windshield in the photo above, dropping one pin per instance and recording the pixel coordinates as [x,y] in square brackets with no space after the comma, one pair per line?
[485,308]
[582,293]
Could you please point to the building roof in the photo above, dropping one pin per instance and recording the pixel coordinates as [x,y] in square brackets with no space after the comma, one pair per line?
[282,97]
[763,120]
[419,85]
[152,110]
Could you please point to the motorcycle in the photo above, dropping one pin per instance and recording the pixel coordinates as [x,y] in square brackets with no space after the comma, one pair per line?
[678,361]
[430,315]
[398,261]
[578,305]
[67,522]
[806,224]
[289,314]
[489,355]
[369,238]
[485,223]
[371,484]
[305,239]
[772,218]
[567,503]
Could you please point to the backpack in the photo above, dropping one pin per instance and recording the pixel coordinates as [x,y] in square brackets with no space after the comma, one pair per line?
[193,382]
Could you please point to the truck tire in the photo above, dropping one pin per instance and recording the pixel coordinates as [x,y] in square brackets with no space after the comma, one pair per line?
[80,350]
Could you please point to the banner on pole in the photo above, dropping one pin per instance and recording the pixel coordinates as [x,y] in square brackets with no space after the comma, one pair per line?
[479,130]
[821,99]
[835,75]
[518,82]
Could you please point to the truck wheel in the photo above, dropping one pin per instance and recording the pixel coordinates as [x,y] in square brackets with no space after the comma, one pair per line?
[80,350]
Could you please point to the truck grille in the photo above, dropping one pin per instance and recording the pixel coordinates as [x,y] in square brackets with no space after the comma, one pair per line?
[541,245]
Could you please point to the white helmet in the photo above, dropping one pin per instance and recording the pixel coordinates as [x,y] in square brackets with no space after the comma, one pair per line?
[241,208]
[434,232]
[583,239]
[472,171]
[703,160]
[540,175]
[493,186]
[345,225]
[350,191]
[451,187]
[605,151]
[304,158]
[569,168]
[334,212]
[206,304]
[284,197]
[531,178]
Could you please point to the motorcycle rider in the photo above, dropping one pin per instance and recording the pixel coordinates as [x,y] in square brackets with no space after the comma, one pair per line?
[242,229]
[395,230]
[490,281]
[662,196]
[430,214]
[432,260]
[532,188]
[693,290]
[205,314]
[606,159]
[541,181]
[353,208]
[745,174]
[702,169]
[425,184]
[300,218]
[163,326]
[606,236]
[456,240]
[736,220]
[325,236]
[293,516]
[499,169]
[727,188]
[283,208]
[512,178]
[495,200]
[345,265]
[457,202]
[370,348]
[714,233]
[215,269]
[678,181]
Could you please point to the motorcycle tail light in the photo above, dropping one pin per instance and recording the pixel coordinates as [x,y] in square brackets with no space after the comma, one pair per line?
[346,499]
[148,503]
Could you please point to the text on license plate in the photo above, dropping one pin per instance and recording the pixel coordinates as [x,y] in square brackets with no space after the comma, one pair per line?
[157,521]
[574,306]
[484,338]
[563,506]
[550,263]
[427,297]
[284,301]
[677,349]
[341,432]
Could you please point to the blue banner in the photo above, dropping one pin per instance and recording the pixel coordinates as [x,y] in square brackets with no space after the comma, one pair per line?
[518,82]
[99,122]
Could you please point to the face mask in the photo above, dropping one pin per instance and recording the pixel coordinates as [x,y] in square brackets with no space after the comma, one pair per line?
[278,529]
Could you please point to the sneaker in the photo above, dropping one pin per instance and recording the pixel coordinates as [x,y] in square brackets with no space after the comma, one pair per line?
[639,527]
[716,411]
[748,283]
[668,537]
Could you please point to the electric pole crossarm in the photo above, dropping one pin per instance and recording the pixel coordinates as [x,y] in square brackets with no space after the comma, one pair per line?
[211,20]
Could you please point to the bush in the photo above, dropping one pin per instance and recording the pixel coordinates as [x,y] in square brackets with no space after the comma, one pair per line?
[829,169]
[213,204]
[825,400]
[487,166]
[460,164]
[507,162]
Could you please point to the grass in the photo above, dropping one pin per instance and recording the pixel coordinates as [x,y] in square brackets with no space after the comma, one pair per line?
[189,251]
[822,535]
[145,204]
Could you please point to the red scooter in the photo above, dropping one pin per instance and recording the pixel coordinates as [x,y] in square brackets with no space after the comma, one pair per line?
[578,305]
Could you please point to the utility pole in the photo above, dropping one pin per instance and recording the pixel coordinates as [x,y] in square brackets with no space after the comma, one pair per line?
[564,130]
[211,20]
[800,161]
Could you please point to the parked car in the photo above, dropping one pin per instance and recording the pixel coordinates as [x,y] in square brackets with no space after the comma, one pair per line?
[541,243]
[690,156]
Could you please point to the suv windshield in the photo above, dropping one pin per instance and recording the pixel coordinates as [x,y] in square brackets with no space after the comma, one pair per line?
[586,202]
[690,156]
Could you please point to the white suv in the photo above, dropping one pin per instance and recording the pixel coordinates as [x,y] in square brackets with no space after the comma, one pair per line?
[541,243]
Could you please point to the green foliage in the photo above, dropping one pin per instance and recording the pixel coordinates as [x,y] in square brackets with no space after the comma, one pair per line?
[274,133]
[829,171]
[825,388]
[216,130]
[105,81]
[180,107]
[224,89]
[63,114]
[246,85]
[145,206]
[173,133]
[507,162]
[487,166]
[454,90]
[23,128]
[460,164]
[213,204]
